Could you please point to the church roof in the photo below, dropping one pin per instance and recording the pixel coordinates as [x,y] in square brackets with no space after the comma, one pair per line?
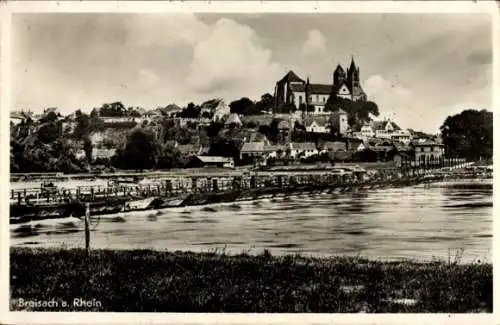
[291,77]
[339,69]
[352,68]
[314,89]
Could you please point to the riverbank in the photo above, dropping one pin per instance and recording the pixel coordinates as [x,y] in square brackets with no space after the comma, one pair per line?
[154,281]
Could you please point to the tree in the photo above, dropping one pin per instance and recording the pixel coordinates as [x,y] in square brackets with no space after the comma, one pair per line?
[116,109]
[244,106]
[191,111]
[170,157]
[358,112]
[266,103]
[214,128]
[141,151]
[82,128]
[468,134]
[225,148]
[48,132]
[87,147]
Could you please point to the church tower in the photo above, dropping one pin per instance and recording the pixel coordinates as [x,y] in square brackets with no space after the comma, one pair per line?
[339,76]
[353,74]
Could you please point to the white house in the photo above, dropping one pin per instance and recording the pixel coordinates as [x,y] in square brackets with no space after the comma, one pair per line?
[302,149]
[316,124]
[385,129]
[366,131]
[403,136]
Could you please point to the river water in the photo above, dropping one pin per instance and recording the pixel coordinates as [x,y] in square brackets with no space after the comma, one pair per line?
[443,220]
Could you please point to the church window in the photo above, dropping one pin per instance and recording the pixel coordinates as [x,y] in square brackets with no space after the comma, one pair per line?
[300,99]
[317,98]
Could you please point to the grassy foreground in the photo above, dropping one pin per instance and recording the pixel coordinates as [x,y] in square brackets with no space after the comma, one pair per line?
[151,281]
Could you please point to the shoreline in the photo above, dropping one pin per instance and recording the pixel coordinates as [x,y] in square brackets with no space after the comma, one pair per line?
[163,281]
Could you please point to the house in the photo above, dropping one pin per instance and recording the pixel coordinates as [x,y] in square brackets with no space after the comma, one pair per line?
[102,153]
[192,121]
[152,115]
[117,119]
[252,150]
[333,146]
[293,90]
[18,117]
[339,121]
[277,151]
[216,109]
[317,124]
[190,149]
[233,119]
[171,110]
[302,149]
[211,161]
[366,131]
[427,151]
[385,129]
[403,136]
[355,144]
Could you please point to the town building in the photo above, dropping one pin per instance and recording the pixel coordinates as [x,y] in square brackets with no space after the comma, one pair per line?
[386,130]
[216,109]
[189,150]
[332,146]
[427,151]
[302,149]
[255,150]
[211,161]
[316,124]
[339,122]
[102,153]
[293,90]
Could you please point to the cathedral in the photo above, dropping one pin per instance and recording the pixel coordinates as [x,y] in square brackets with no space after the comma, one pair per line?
[292,90]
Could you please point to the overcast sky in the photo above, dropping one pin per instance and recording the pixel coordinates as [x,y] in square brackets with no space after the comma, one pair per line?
[419,68]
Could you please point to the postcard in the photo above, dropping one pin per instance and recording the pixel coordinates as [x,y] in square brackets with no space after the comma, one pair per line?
[248,162]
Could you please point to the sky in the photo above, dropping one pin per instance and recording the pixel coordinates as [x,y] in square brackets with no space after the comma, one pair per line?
[418,68]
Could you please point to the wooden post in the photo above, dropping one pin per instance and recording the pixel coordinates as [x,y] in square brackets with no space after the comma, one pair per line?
[87,230]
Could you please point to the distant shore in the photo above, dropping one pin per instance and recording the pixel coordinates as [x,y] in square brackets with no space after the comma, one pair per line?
[153,281]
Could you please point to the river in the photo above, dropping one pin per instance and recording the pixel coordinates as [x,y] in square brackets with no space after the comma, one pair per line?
[443,220]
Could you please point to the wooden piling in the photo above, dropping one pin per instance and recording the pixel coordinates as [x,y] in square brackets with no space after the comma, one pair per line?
[87,229]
